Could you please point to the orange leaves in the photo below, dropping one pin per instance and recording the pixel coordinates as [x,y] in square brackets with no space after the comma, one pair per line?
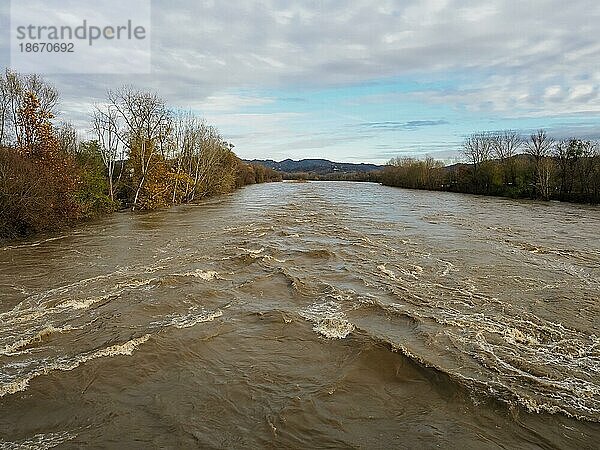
[55,176]
[35,135]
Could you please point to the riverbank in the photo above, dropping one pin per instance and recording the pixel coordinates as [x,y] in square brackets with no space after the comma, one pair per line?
[387,179]
[566,171]
[143,156]
[17,237]
[502,164]
[502,195]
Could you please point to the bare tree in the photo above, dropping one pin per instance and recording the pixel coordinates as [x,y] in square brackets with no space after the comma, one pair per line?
[477,148]
[562,156]
[539,147]
[68,138]
[567,154]
[214,172]
[506,146]
[587,162]
[596,172]
[545,171]
[105,124]
[147,123]
[4,107]
[44,91]
[144,113]
[186,140]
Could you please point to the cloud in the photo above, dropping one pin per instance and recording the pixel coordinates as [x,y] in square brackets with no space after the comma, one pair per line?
[225,102]
[202,48]
[504,59]
[518,95]
[410,125]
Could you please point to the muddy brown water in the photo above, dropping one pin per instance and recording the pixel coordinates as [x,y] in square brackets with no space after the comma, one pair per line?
[313,315]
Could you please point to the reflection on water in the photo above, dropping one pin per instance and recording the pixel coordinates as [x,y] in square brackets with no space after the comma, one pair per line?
[302,315]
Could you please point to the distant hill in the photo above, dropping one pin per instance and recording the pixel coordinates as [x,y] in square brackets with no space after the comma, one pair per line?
[316,166]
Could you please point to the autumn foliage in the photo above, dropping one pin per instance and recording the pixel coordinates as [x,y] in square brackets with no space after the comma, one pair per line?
[39,182]
[144,157]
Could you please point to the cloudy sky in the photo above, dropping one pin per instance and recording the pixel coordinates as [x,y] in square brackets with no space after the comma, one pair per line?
[364,80]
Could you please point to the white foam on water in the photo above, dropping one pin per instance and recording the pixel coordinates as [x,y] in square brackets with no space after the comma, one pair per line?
[36,300]
[41,441]
[126,349]
[206,275]
[334,328]
[135,283]
[329,320]
[84,304]
[449,267]
[193,317]
[33,244]
[252,252]
[15,317]
[386,271]
[189,320]
[11,349]
[516,336]
[15,386]
[271,258]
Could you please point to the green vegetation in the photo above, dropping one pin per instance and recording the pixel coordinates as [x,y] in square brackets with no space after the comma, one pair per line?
[505,164]
[144,156]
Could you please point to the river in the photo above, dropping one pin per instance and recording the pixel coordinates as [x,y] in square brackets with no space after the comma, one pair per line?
[307,315]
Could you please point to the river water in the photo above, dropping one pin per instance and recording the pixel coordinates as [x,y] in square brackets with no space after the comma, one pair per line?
[307,315]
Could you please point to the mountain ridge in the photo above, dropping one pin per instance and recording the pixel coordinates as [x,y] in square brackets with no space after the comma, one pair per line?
[315,165]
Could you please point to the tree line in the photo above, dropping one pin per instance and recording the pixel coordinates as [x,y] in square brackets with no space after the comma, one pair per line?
[372,176]
[510,165]
[143,155]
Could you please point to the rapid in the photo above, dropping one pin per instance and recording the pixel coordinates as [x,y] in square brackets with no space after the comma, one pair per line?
[305,315]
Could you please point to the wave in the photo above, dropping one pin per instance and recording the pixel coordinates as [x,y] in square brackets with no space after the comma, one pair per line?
[334,328]
[540,365]
[412,273]
[41,441]
[329,319]
[319,253]
[45,333]
[206,275]
[34,244]
[190,319]
[38,299]
[296,283]
[89,301]
[21,384]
